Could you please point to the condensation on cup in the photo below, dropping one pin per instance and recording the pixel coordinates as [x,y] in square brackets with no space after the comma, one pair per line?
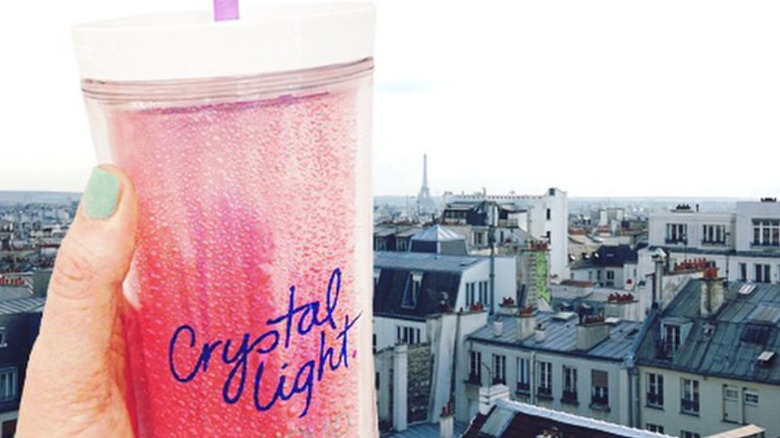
[248,142]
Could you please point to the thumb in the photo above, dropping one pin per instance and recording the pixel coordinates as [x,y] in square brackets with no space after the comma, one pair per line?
[74,363]
[91,264]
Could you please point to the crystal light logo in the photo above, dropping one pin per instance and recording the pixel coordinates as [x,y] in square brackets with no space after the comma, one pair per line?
[315,319]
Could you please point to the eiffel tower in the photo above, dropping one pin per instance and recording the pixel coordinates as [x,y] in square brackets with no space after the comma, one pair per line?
[425,204]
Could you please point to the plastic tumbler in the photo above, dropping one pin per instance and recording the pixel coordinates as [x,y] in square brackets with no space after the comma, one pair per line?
[248,142]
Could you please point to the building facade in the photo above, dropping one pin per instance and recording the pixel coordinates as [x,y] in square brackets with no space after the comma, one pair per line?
[544,217]
[744,245]
[556,360]
[707,361]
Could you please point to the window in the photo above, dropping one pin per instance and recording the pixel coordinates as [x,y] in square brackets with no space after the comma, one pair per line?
[676,233]
[766,232]
[402,244]
[762,273]
[600,388]
[713,234]
[374,343]
[380,244]
[689,402]
[412,291]
[688,434]
[654,428]
[3,338]
[475,370]
[569,384]
[484,296]
[470,297]
[377,272]
[499,369]
[751,398]
[655,390]
[671,338]
[8,384]
[407,335]
[479,238]
[610,278]
[743,272]
[523,375]
[376,381]
[549,214]
[545,379]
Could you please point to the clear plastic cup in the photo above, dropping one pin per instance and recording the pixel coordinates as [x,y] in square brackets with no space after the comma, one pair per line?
[249,146]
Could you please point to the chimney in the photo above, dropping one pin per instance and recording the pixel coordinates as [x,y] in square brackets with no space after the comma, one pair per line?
[622,306]
[658,277]
[447,422]
[711,291]
[498,328]
[400,384]
[489,395]
[526,323]
[539,333]
[591,331]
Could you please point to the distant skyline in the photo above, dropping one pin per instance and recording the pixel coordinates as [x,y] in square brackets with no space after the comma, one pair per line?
[598,98]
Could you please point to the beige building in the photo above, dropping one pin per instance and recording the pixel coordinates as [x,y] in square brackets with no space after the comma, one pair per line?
[707,362]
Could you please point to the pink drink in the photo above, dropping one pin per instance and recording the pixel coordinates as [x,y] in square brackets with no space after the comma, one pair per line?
[250,294]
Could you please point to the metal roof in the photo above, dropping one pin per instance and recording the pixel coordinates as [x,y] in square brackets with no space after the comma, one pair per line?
[437,233]
[419,261]
[424,430]
[727,344]
[517,419]
[22,305]
[561,337]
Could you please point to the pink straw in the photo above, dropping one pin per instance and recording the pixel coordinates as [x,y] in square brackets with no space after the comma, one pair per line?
[225,10]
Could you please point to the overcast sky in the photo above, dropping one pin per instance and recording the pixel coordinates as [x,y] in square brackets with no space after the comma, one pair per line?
[598,98]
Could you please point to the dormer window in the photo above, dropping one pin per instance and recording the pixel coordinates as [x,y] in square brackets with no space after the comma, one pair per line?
[412,290]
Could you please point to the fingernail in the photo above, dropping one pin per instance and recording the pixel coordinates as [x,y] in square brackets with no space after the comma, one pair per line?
[101,195]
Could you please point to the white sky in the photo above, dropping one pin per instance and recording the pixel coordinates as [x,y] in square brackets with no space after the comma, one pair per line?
[598,98]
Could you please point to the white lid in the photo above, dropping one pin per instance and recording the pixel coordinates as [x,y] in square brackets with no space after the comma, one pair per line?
[273,38]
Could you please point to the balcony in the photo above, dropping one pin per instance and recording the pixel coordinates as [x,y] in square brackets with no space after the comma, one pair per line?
[474,379]
[544,393]
[655,400]
[523,388]
[569,398]
[599,403]
[690,407]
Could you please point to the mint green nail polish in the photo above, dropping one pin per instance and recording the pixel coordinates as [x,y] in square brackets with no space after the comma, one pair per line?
[101,195]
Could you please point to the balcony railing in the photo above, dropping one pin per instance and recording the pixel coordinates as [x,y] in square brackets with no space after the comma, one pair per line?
[543,392]
[655,400]
[523,388]
[569,397]
[689,406]
[599,403]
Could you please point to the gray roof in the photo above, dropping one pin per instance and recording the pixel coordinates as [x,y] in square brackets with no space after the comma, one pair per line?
[561,337]
[424,430]
[437,233]
[22,305]
[418,261]
[743,328]
[14,293]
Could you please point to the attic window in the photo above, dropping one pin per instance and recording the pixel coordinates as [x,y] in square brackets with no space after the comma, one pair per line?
[755,334]
[746,289]
[412,291]
[766,358]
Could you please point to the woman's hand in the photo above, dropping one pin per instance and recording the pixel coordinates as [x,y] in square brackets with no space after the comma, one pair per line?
[75,383]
